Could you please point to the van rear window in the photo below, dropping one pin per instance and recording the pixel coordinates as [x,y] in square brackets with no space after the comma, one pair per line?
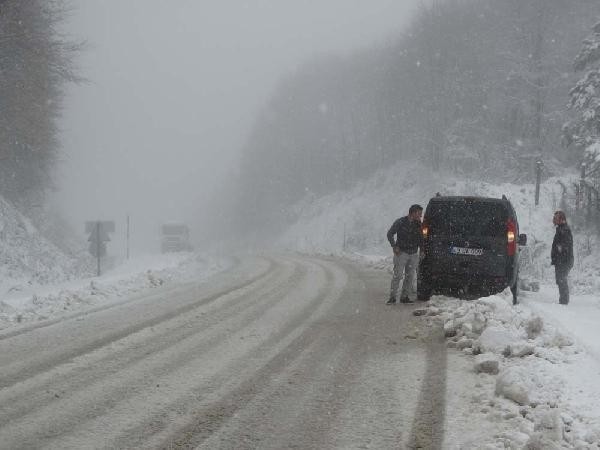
[463,218]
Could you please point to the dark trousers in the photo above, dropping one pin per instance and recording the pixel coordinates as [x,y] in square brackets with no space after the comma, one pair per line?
[562,272]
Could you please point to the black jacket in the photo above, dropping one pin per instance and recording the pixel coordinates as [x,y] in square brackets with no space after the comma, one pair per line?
[562,246]
[409,236]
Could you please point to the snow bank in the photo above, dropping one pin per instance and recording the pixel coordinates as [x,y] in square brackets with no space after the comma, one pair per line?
[522,357]
[39,281]
[39,302]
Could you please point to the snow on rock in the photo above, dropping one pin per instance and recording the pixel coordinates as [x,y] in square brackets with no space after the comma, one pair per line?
[520,349]
[464,343]
[534,327]
[487,363]
[516,383]
[496,339]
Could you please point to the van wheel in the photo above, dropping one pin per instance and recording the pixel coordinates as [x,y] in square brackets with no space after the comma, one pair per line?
[423,291]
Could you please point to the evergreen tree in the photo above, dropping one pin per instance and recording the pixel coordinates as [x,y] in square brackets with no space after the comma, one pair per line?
[584,133]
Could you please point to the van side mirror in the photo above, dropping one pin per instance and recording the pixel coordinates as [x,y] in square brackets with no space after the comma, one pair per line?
[522,239]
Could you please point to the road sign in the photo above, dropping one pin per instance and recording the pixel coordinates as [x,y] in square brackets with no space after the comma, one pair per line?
[97,249]
[99,230]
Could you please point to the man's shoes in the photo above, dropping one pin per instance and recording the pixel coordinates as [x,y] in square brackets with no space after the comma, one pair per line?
[391,301]
[406,300]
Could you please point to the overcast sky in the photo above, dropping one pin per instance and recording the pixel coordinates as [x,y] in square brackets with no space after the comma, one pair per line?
[174,88]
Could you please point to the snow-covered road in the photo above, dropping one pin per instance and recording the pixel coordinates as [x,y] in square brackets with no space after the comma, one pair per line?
[276,352]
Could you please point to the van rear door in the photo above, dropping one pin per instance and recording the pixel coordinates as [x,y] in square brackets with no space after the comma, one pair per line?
[467,237]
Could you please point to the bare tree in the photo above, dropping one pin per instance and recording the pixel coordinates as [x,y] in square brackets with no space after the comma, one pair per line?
[35,60]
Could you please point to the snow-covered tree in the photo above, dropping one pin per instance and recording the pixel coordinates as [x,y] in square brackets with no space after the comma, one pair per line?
[585,98]
[35,62]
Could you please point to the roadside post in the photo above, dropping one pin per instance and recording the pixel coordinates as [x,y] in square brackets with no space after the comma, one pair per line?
[538,179]
[580,189]
[99,230]
[128,236]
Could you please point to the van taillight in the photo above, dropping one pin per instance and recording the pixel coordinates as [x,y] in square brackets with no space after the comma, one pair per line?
[511,242]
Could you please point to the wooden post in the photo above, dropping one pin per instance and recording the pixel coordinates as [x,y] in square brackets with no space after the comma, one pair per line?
[538,179]
[98,245]
[127,236]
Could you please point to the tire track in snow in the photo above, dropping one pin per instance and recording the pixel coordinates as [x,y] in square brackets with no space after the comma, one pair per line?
[82,372]
[21,370]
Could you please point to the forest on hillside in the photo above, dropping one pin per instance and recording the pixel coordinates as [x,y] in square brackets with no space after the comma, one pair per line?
[479,87]
[36,59]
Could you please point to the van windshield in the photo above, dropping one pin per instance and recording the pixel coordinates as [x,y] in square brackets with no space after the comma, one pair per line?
[469,219]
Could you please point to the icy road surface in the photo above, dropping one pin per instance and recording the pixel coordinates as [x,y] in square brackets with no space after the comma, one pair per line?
[277,352]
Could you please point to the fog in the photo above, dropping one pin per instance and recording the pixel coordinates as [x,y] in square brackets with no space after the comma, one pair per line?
[172,92]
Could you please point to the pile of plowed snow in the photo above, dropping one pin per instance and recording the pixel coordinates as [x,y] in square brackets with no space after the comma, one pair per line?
[527,383]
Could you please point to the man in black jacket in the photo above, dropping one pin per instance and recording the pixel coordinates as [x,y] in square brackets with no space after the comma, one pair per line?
[562,255]
[406,256]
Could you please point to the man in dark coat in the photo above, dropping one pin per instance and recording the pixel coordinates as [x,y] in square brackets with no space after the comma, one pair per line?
[562,255]
[406,257]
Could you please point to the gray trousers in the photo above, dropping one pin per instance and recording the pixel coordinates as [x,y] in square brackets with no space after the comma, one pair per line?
[562,273]
[405,267]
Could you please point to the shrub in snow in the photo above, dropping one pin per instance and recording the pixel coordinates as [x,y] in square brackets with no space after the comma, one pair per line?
[513,439]
[539,441]
[548,423]
[487,363]
[534,327]
[153,280]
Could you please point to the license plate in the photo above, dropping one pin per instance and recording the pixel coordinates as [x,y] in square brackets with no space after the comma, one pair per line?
[466,251]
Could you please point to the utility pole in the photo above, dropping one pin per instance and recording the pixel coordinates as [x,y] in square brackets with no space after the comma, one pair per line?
[538,180]
[581,193]
[127,236]
[98,244]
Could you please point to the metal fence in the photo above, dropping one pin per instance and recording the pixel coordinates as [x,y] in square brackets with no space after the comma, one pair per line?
[581,200]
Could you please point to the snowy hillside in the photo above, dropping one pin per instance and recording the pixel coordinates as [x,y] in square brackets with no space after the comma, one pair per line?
[355,223]
[26,257]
